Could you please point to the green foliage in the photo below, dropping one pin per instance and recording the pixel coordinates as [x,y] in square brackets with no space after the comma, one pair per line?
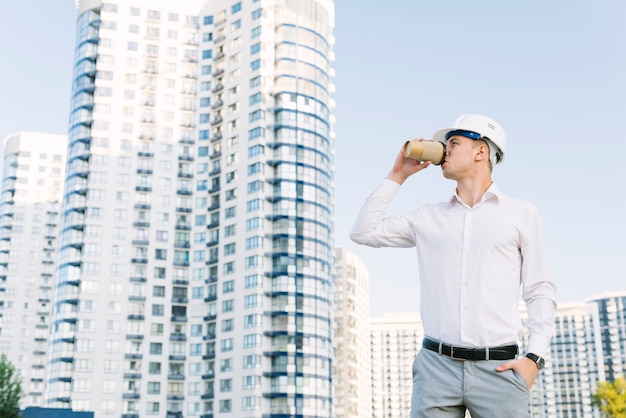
[611,398]
[10,389]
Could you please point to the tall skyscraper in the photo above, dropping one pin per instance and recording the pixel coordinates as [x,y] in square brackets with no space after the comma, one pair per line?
[352,378]
[196,241]
[395,341]
[32,185]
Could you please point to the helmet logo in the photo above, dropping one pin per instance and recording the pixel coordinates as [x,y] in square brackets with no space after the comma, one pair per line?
[491,126]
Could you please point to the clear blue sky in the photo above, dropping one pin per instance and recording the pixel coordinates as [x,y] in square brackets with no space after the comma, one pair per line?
[553,73]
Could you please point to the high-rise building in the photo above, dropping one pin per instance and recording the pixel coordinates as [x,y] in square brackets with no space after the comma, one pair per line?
[588,347]
[564,386]
[610,311]
[395,341]
[352,396]
[194,273]
[32,186]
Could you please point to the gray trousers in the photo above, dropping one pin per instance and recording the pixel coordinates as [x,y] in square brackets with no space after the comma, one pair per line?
[446,388]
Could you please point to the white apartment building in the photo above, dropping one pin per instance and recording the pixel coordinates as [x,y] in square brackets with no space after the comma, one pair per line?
[395,340]
[194,274]
[352,397]
[589,345]
[32,186]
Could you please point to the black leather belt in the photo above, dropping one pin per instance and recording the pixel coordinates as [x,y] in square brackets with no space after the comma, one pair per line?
[504,352]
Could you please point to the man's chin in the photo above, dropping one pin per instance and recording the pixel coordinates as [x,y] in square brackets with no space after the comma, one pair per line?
[445,172]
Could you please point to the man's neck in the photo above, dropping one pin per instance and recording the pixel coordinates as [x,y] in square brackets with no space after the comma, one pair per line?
[471,191]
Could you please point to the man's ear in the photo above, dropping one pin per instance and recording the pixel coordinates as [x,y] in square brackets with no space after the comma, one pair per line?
[482,152]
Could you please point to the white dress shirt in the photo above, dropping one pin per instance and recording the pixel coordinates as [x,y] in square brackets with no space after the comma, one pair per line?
[472,262]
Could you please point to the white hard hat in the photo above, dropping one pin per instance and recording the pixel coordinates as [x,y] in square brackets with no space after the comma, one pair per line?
[486,128]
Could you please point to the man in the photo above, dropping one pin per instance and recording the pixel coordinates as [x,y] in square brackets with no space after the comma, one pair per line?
[474,253]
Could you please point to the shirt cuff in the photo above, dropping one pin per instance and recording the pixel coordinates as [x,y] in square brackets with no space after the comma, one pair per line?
[387,188]
[537,346]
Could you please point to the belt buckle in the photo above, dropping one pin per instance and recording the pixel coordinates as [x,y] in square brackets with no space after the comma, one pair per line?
[452,354]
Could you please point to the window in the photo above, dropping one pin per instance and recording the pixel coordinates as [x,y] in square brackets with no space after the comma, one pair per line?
[154,368]
[156,348]
[255,65]
[154,388]
[256,133]
[250,403]
[160,254]
[229,249]
[257,14]
[251,361]
[255,48]
[231,194]
[255,81]
[251,281]
[195,349]
[230,212]
[229,231]
[251,340]
[152,408]
[200,220]
[226,405]
[226,365]
[156,329]
[255,98]
[197,293]
[256,115]
[251,301]
[208,20]
[158,310]
[255,150]
[251,382]
[251,321]
[207,53]
[227,305]
[254,242]
[158,291]
[255,32]
[195,369]
[254,168]
[255,186]
[227,344]
[231,176]
[253,223]
[226,385]
[254,205]
[227,325]
[228,286]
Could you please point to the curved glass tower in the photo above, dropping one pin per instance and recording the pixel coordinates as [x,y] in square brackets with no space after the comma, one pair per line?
[194,269]
[301,212]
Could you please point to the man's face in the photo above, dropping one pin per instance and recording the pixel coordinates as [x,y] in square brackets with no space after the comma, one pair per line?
[459,159]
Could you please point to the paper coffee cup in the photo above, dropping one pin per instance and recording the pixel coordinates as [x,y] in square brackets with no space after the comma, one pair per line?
[433,151]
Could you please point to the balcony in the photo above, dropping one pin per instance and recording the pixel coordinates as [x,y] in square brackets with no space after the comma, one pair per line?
[178,337]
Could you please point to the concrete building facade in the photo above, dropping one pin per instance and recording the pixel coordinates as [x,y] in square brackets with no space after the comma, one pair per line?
[395,341]
[32,189]
[352,396]
[196,230]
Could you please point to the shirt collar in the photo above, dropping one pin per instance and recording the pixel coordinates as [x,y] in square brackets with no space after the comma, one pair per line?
[493,192]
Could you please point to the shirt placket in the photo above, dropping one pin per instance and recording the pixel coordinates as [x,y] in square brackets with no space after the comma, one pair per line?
[464,306]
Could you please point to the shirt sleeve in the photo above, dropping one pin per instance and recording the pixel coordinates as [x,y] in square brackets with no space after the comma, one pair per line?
[374,229]
[539,289]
